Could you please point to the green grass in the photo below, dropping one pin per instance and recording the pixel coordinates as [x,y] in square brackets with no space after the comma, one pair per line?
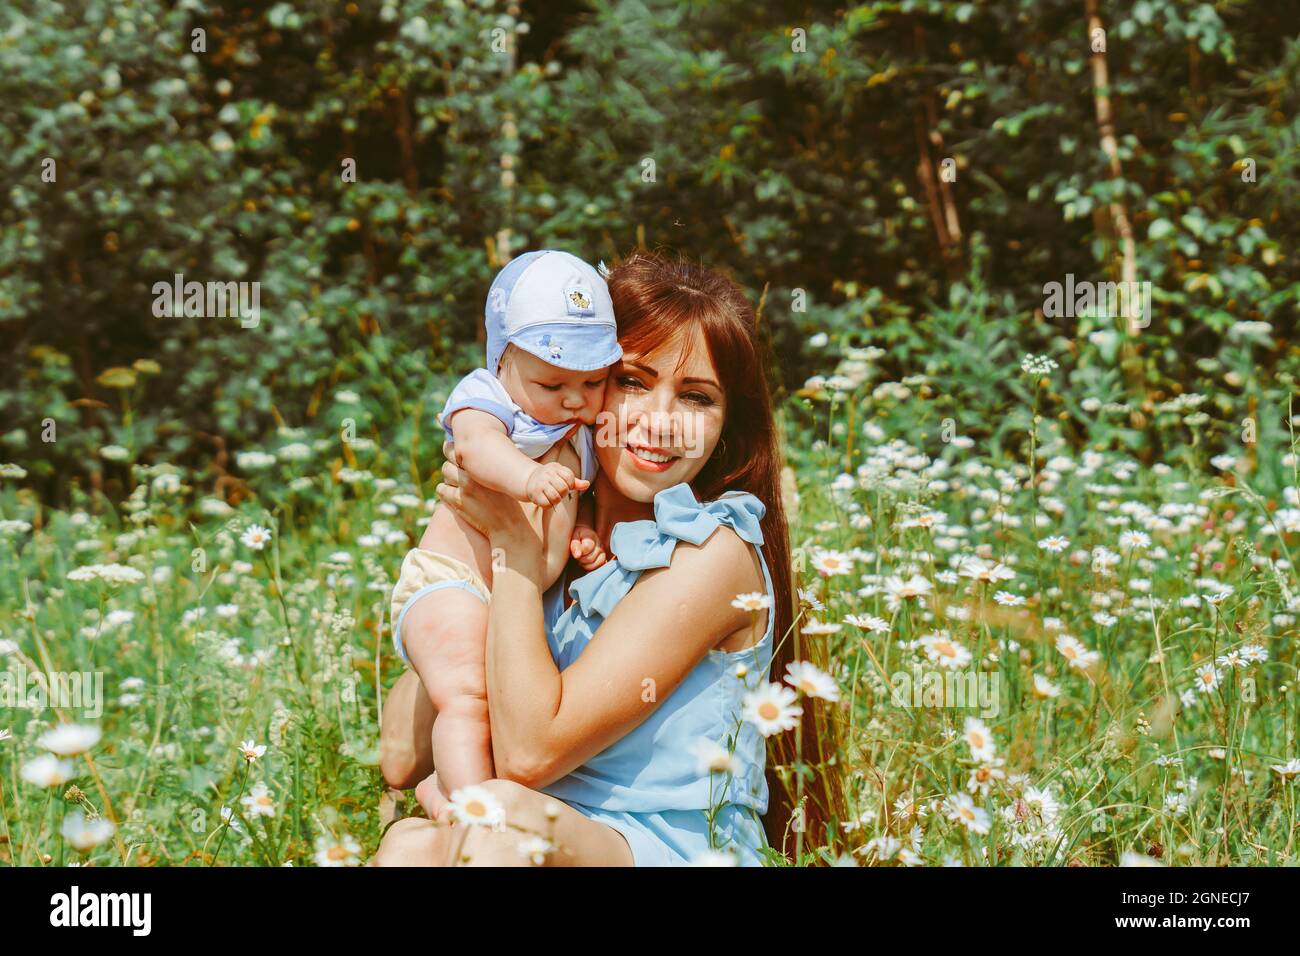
[1135,756]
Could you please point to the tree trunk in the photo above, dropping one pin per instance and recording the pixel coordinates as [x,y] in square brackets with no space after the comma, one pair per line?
[1122,227]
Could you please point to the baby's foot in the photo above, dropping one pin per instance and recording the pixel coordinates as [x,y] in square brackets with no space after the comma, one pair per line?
[431,798]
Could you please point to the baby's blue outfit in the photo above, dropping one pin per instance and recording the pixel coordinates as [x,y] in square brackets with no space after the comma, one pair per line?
[648,785]
[481,390]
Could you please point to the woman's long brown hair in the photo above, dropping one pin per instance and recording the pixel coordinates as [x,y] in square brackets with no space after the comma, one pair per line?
[656,298]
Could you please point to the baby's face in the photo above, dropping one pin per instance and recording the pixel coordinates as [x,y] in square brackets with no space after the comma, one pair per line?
[552,395]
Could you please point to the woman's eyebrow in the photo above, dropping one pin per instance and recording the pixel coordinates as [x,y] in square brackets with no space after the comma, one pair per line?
[704,381]
[649,371]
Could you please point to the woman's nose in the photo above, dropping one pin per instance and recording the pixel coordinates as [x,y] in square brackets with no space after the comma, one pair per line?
[656,420]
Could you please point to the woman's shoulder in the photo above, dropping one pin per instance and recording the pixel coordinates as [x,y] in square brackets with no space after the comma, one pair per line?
[723,541]
[679,517]
[679,513]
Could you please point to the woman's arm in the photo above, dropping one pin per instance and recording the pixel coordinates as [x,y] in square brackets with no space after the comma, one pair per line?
[546,723]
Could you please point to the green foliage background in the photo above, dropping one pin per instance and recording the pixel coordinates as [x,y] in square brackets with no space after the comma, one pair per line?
[794,169]
[794,145]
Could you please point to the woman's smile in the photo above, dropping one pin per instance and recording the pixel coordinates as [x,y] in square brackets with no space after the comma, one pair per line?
[649,459]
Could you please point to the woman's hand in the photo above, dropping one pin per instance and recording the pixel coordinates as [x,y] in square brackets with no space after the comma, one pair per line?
[495,514]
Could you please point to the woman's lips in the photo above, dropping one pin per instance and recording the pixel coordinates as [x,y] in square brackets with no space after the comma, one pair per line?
[638,456]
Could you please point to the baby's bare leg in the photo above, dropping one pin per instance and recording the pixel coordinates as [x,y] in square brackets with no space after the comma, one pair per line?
[462,744]
[444,636]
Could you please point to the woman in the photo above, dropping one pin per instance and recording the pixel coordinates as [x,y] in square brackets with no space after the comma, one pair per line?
[598,710]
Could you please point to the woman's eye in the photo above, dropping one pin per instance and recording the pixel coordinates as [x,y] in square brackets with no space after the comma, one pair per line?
[698,398]
[628,381]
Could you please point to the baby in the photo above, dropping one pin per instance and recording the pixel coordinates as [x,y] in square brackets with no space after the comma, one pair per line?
[551,338]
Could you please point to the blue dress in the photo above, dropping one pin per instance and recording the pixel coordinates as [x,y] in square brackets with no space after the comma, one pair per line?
[649,785]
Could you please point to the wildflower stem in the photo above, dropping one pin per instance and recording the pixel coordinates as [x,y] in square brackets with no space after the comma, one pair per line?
[227,823]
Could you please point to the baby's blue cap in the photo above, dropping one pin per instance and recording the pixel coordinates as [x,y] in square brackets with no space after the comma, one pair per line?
[557,307]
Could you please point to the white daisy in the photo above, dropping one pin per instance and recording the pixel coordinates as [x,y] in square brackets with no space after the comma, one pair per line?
[872,625]
[809,597]
[255,537]
[980,739]
[1231,659]
[1134,540]
[251,751]
[1207,678]
[772,708]
[712,757]
[83,834]
[47,770]
[752,601]
[811,680]
[1076,653]
[897,590]
[991,571]
[1044,689]
[881,848]
[941,649]
[983,776]
[830,563]
[68,740]
[258,801]
[1289,770]
[477,806]
[341,852]
[537,849]
[1254,653]
[961,809]
[907,807]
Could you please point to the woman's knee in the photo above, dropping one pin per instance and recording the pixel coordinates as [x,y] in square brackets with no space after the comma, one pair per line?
[399,764]
[410,842]
[399,758]
[509,793]
[404,757]
[523,807]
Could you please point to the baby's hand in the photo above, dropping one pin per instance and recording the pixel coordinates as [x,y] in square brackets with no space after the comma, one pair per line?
[550,483]
[585,547]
